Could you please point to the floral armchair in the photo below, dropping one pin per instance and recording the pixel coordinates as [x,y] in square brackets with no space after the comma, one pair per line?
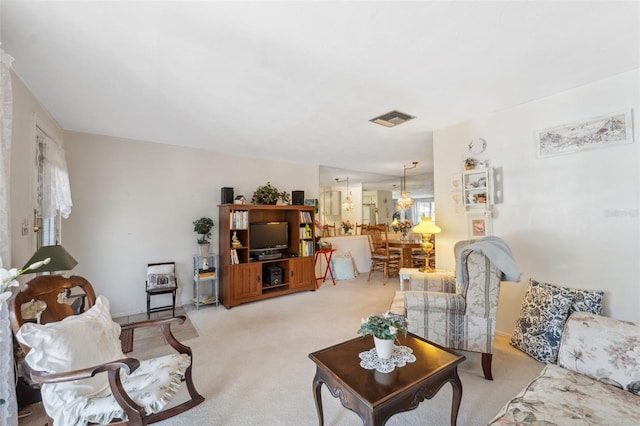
[458,312]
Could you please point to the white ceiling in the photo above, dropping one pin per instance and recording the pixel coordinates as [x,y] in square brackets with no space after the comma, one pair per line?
[299,80]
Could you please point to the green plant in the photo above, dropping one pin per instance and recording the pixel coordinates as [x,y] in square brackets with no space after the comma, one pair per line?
[203,228]
[268,194]
[470,162]
[385,326]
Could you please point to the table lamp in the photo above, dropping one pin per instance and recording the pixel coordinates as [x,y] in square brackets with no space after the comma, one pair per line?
[61,260]
[426,228]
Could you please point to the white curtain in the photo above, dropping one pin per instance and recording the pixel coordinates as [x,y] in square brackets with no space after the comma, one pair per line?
[9,408]
[6,113]
[55,189]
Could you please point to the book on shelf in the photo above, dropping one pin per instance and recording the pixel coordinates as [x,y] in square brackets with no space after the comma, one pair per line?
[210,274]
[306,248]
[234,257]
[239,219]
[305,217]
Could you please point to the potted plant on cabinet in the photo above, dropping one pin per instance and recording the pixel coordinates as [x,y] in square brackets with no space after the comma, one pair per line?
[268,194]
[470,163]
[203,228]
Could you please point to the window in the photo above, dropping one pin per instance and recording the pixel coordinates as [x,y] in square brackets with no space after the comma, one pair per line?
[53,192]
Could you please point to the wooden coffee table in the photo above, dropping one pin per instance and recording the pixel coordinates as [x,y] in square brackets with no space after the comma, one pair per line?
[375,396]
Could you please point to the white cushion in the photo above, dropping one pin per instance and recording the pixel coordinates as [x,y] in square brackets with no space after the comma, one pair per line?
[76,342]
[87,340]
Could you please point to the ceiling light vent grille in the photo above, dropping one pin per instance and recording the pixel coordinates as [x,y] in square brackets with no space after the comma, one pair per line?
[392,118]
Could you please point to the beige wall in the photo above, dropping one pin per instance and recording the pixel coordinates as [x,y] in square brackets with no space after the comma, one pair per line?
[134,203]
[572,219]
[27,113]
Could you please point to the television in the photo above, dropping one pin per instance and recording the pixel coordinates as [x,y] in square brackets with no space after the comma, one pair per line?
[268,236]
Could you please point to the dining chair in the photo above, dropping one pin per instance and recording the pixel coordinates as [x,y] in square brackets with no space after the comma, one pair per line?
[361,228]
[382,259]
[329,230]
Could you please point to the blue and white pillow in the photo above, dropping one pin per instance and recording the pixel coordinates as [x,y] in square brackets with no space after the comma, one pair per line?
[582,300]
[543,312]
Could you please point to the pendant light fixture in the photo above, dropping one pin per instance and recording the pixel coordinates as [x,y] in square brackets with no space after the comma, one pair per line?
[348,204]
[405,201]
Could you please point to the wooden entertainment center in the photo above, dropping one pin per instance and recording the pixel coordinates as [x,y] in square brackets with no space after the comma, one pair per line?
[241,267]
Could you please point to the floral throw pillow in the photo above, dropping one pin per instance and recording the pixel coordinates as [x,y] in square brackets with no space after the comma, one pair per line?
[539,327]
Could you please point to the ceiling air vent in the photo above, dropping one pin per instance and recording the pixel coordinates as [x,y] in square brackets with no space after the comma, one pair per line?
[392,118]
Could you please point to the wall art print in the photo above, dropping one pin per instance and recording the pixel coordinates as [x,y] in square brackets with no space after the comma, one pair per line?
[479,225]
[596,132]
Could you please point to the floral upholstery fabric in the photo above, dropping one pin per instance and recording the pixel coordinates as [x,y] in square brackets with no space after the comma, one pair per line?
[563,397]
[545,308]
[596,380]
[462,318]
[581,300]
[604,349]
[542,316]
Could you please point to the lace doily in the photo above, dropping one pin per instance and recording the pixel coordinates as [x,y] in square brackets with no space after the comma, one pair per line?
[399,358]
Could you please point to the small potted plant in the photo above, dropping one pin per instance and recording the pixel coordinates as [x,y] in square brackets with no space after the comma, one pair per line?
[384,329]
[470,163]
[203,228]
[268,194]
[403,226]
[346,227]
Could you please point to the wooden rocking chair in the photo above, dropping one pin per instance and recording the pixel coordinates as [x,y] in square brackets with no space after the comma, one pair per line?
[70,335]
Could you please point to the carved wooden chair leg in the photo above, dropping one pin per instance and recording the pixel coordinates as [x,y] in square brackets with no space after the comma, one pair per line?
[486,365]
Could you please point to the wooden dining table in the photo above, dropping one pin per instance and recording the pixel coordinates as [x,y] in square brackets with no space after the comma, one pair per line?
[406,248]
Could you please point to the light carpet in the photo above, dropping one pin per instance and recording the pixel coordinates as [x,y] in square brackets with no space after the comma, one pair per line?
[251,362]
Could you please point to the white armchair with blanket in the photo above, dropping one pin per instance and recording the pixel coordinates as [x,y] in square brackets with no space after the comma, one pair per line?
[459,311]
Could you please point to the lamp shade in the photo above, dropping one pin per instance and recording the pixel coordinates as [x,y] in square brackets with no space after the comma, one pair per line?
[61,260]
[426,226]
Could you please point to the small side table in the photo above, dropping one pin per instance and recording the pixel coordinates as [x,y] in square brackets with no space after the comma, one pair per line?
[407,274]
[376,397]
[327,253]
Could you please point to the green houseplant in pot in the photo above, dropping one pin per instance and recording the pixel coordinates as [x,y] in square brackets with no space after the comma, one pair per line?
[384,328]
[268,194]
[203,227]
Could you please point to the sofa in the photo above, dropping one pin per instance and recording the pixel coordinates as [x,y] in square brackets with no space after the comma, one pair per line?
[595,380]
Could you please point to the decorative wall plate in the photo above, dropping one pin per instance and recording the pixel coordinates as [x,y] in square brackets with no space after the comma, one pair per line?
[477,146]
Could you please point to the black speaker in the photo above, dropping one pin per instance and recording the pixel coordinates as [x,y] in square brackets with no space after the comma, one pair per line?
[227,195]
[297,198]
[272,275]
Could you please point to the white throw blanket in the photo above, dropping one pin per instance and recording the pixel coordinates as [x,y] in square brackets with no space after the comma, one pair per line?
[498,253]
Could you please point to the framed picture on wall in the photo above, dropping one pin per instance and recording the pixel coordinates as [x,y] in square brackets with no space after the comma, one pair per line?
[596,132]
[479,225]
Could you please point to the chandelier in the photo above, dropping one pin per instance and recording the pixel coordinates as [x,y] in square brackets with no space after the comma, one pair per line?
[405,201]
[348,204]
